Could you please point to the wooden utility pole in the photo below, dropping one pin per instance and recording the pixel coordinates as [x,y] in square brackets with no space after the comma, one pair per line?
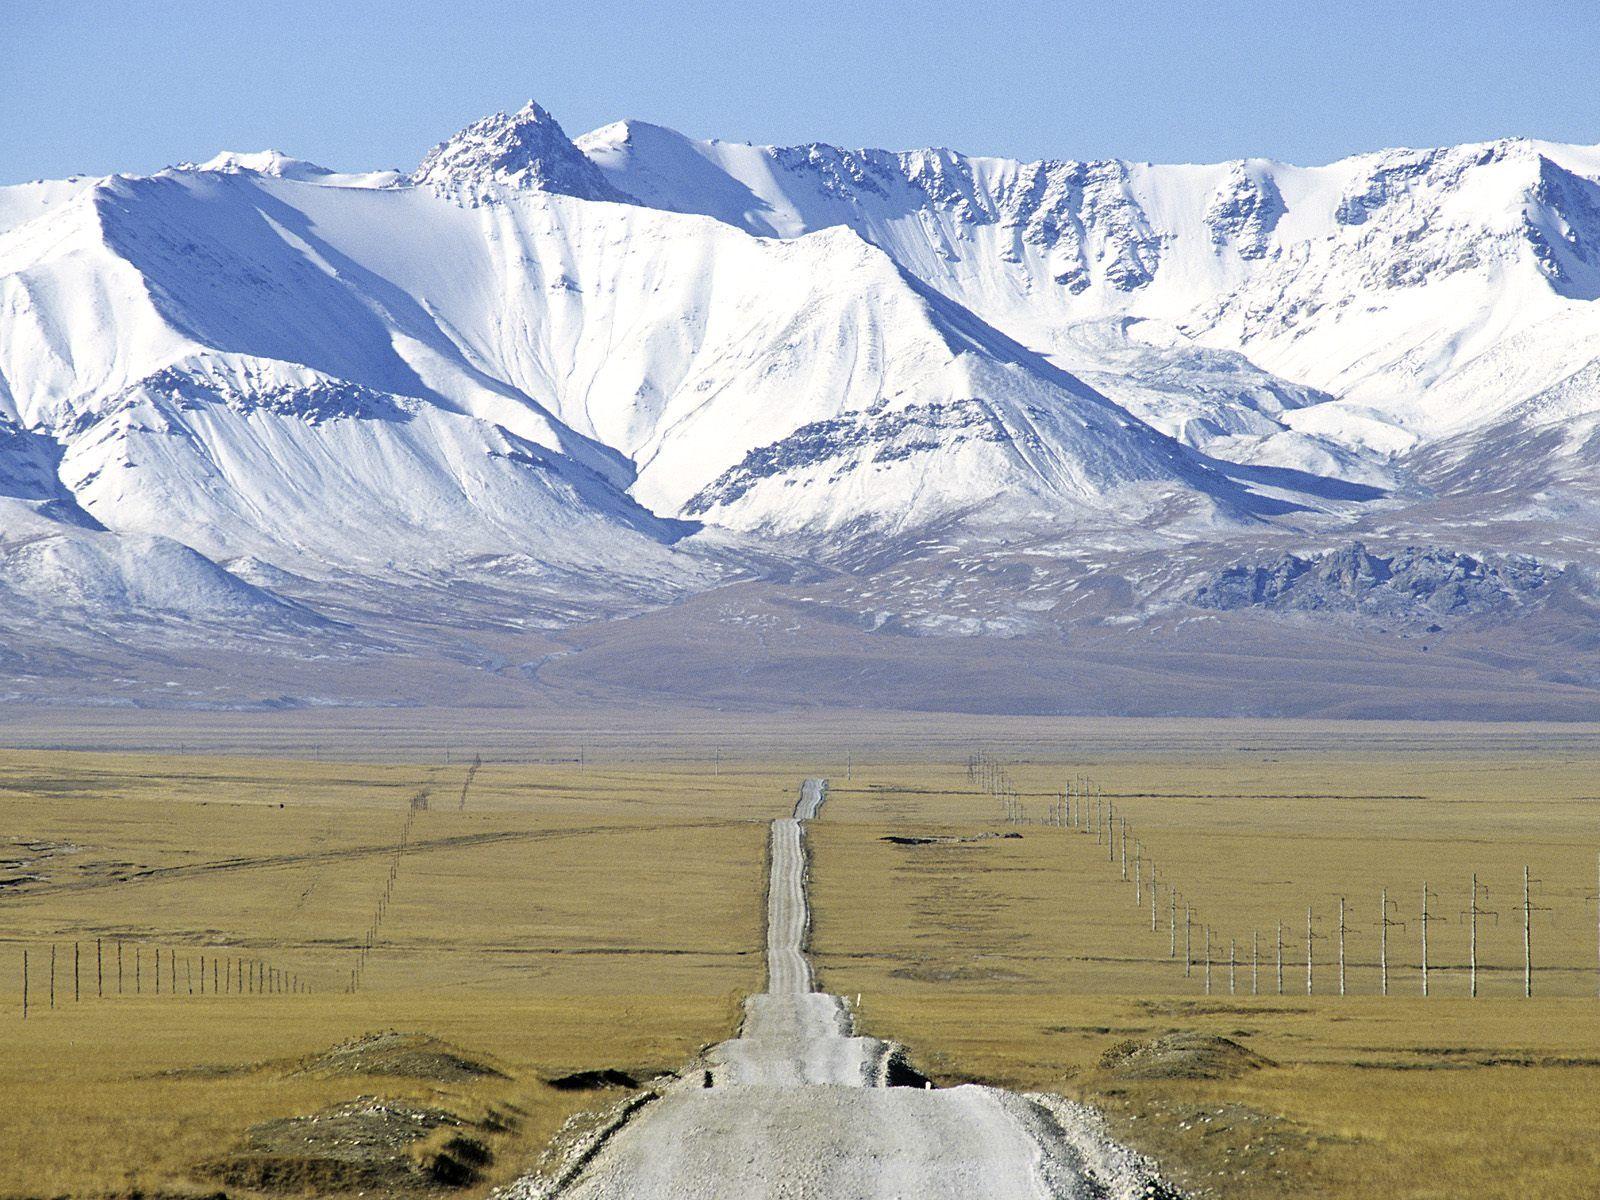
[1124,840]
[1172,921]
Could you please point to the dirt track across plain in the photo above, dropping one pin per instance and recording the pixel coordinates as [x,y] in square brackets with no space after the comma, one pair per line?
[799,1106]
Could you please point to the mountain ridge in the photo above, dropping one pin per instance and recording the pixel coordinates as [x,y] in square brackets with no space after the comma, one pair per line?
[542,381]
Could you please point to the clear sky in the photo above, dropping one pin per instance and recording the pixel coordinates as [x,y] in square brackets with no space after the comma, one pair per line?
[134,85]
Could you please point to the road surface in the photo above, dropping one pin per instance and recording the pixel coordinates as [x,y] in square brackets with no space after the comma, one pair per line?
[798,1108]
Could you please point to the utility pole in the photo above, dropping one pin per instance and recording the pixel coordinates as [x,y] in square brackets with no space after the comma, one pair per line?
[1255,961]
[1172,921]
[1472,914]
[1280,958]
[1152,897]
[1124,840]
[1427,918]
[1233,966]
[1309,955]
[1188,941]
[1208,960]
[1341,945]
[1528,909]
[1384,925]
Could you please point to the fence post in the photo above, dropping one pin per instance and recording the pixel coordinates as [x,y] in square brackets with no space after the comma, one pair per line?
[52,974]
[1188,941]
[99,971]
[1255,961]
[1280,958]
[24,983]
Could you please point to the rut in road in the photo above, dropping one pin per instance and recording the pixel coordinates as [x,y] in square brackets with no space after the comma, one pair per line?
[798,1107]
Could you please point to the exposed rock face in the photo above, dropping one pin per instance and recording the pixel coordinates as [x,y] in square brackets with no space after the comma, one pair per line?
[526,150]
[1416,582]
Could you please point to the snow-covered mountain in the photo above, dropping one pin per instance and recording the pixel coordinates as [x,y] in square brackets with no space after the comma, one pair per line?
[1422,291]
[558,379]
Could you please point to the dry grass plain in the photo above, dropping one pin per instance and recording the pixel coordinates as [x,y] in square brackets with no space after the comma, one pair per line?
[1021,961]
[564,919]
[608,914]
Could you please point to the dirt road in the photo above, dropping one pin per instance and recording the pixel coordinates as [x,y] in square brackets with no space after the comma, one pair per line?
[797,1106]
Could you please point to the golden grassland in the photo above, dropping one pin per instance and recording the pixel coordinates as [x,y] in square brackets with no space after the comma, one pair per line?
[1022,960]
[608,914]
[560,920]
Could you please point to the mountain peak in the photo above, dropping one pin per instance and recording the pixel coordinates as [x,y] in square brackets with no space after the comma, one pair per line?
[262,162]
[524,150]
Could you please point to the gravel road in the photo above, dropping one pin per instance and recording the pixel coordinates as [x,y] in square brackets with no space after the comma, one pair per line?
[797,1106]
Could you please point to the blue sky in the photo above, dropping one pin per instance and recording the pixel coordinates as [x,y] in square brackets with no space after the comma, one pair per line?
[137,84]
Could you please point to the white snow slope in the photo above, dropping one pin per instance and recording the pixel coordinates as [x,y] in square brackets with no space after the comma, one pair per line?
[586,355]
[1423,290]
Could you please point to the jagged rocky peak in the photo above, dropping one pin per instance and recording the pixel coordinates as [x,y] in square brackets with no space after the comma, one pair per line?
[1245,209]
[525,150]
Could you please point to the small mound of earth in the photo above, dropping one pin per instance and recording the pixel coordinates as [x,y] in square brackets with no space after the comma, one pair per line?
[362,1144]
[406,1055]
[1182,1056]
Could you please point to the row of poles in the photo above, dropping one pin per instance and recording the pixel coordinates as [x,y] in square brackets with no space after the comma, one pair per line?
[380,910]
[1082,805]
[223,975]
